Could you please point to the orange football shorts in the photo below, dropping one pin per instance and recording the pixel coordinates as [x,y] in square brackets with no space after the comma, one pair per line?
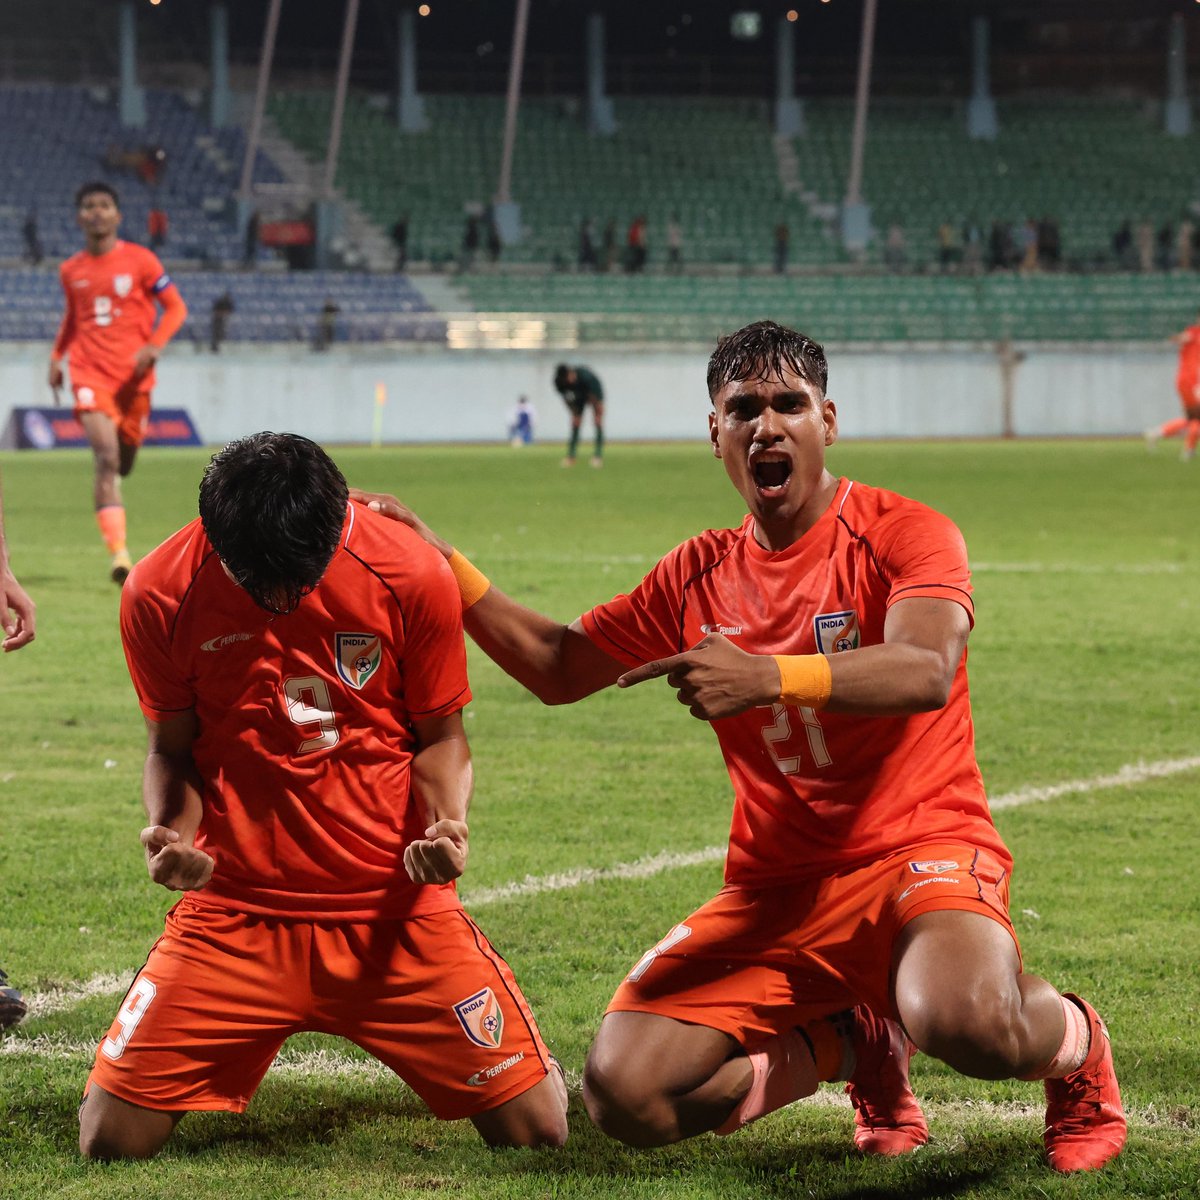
[221,991]
[127,408]
[755,961]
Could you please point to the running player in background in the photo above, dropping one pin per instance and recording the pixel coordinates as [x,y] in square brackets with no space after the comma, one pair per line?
[866,888]
[1187,384]
[301,667]
[111,343]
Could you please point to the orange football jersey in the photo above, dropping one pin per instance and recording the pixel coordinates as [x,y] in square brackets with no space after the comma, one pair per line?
[820,791]
[305,719]
[110,314]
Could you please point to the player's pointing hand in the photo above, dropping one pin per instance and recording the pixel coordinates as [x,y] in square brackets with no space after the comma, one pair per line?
[714,678]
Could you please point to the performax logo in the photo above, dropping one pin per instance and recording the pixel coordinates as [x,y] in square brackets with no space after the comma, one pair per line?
[725,630]
[226,639]
[482,1077]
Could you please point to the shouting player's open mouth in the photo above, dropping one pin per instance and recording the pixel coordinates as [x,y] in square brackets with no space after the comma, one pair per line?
[772,472]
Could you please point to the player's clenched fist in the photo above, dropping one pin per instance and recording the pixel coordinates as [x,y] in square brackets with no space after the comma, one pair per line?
[714,678]
[172,863]
[440,856]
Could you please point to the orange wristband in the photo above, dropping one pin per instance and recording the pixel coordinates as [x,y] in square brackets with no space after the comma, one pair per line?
[805,680]
[472,583]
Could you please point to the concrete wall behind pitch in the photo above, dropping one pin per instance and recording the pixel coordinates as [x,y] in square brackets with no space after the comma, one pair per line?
[438,395]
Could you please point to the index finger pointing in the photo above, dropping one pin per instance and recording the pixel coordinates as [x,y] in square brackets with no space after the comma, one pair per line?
[651,670]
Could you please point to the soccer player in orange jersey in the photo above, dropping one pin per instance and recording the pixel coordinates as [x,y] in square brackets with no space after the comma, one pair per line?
[865,906]
[1187,384]
[111,343]
[301,667]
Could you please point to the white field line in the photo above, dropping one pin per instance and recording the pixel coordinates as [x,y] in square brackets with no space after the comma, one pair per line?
[643,868]
[61,999]
[330,1064]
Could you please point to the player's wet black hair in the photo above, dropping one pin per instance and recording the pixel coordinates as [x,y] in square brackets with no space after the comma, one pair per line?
[97,185]
[762,351]
[273,506]
[562,375]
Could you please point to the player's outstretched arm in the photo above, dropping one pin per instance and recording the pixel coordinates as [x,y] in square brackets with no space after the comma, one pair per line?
[171,791]
[558,663]
[911,671]
[442,780]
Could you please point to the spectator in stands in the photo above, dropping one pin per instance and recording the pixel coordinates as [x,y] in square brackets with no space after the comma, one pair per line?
[156,227]
[781,246]
[491,233]
[1122,245]
[327,324]
[1000,246]
[400,241]
[895,248]
[1185,240]
[250,243]
[470,242]
[609,245]
[580,389]
[1143,240]
[1029,247]
[33,239]
[636,250]
[1165,256]
[586,257]
[674,244]
[972,237]
[151,165]
[1049,244]
[949,246]
[222,309]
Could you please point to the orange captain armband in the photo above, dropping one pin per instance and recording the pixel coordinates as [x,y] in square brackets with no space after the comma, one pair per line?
[805,680]
[472,582]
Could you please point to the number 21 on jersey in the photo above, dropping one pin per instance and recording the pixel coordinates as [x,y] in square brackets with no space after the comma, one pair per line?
[784,744]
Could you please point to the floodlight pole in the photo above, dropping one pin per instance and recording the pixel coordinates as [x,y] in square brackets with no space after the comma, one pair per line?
[266,55]
[862,97]
[516,65]
[856,215]
[339,99]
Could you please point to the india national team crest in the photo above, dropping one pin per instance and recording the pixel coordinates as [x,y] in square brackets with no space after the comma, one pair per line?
[357,656]
[122,284]
[482,1018]
[836,632]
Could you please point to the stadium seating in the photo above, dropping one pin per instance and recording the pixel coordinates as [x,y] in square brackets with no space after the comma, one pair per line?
[1090,163]
[711,162]
[59,137]
[857,308]
[268,307]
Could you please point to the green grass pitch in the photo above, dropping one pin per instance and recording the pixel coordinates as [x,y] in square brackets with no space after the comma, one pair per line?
[1086,562]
